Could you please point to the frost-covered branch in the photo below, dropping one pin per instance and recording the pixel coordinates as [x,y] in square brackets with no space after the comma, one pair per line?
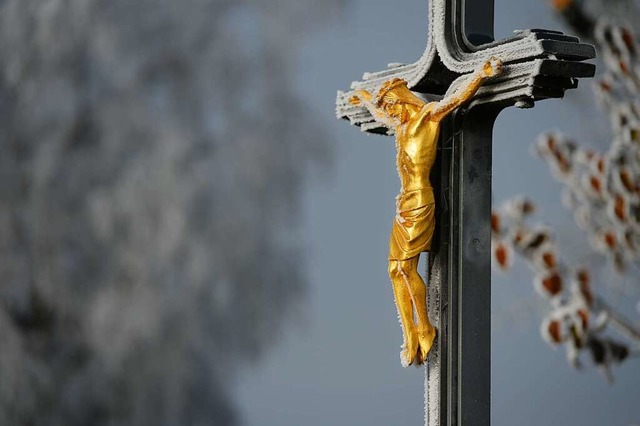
[577,317]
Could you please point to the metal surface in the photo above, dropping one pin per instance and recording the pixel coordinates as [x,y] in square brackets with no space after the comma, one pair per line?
[459,368]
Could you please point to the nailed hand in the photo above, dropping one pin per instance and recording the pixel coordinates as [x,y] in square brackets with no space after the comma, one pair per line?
[493,67]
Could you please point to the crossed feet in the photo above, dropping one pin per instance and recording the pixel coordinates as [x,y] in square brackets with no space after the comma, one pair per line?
[417,344]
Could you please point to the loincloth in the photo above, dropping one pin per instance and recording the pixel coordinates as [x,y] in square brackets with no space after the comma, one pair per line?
[413,225]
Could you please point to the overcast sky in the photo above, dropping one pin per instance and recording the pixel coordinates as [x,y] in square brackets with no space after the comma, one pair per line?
[341,366]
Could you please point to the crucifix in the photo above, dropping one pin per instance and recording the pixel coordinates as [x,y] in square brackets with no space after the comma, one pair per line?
[461,83]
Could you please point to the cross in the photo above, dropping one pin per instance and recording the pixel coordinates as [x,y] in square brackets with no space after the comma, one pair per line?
[538,64]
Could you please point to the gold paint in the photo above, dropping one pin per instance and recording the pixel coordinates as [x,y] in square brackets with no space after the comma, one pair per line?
[417,126]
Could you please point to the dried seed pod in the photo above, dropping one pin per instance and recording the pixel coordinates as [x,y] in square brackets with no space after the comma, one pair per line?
[624,180]
[557,152]
[581,286]
[605,241]
[626,40]
[549,284]
[593,186]
[501,254]
[553,331]
[598,165]
[545,258]
[618,210]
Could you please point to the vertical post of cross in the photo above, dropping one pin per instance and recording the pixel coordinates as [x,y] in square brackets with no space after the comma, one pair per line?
[460,274]
[460,391]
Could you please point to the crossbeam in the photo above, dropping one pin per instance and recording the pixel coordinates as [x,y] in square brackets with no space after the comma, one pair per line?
[540,64]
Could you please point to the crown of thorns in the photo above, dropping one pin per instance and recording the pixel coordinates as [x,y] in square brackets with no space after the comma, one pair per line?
[386,87]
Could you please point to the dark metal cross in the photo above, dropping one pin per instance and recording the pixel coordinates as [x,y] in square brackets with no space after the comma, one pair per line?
[539,64]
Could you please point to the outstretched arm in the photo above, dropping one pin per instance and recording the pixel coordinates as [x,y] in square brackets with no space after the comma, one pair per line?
[491,68]
[364,98]
[359,95]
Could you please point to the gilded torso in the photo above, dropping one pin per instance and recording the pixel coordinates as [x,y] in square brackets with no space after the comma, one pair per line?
[416,144]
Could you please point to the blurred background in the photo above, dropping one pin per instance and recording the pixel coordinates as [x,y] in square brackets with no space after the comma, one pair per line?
[190,237]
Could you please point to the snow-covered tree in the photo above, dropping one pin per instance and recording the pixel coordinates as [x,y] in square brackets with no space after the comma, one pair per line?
[152,159]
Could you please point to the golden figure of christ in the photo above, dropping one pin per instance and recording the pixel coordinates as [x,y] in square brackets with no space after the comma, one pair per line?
[417,127]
